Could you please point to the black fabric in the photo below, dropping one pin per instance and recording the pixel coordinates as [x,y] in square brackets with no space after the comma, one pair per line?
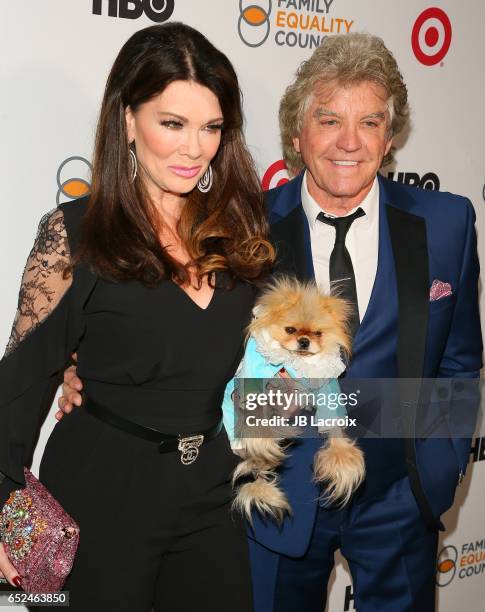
[6,487]
[166,444]
[409,245]
[142,352]
[154,533]
[73,215]
[288,238]
[341,270]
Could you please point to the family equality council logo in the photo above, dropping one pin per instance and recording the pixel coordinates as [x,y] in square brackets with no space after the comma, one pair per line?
[297,23]
[305,23]
[463,563]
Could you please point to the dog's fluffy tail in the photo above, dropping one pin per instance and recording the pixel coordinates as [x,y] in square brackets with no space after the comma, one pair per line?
[340,466]
[264,496]
[263,456]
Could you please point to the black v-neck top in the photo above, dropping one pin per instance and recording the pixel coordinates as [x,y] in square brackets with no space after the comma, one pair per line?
[154,356]
[150,354]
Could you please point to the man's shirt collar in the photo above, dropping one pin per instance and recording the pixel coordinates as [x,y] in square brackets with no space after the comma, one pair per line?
[370,204]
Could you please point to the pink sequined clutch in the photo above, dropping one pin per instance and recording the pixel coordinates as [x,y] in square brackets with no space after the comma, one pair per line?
[39,537]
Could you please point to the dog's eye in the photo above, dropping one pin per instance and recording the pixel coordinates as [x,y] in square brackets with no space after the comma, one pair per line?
[290,330]
[318,334]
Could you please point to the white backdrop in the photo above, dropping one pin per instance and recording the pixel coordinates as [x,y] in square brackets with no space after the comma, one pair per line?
[55,58]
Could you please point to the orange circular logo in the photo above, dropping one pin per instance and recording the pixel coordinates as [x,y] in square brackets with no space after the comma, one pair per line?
[253,25]
[71,181]
[446,565]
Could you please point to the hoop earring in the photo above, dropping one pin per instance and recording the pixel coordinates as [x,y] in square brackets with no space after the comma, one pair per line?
[205,182]
[134,166]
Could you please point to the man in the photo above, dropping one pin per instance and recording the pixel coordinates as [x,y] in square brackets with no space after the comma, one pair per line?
[402,249]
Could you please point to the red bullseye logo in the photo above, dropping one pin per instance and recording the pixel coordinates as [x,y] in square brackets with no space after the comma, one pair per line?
[275,175]
[431,37]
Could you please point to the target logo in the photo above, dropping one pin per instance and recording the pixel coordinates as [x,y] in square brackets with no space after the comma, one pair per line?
[276,175]
[431,37]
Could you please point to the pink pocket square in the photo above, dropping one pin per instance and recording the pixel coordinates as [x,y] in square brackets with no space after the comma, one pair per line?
[439,290]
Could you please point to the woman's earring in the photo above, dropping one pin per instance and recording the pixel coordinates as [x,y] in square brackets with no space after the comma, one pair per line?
[205,182]
[134,165]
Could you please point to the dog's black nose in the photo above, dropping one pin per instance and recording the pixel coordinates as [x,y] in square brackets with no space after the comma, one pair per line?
[303,342]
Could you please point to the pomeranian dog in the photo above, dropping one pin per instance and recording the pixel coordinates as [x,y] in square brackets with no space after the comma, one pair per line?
[300,331]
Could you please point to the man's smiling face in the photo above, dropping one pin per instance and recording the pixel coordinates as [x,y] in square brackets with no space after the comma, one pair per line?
[344,138]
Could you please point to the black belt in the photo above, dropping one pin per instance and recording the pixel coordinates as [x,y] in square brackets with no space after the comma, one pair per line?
[187,444]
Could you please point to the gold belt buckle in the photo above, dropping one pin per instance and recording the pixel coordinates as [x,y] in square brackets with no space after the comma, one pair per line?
[189,447]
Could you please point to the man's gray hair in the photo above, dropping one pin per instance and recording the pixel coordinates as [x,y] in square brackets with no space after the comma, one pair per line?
[342,60]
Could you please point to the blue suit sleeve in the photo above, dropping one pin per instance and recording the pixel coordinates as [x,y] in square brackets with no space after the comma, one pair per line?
[462,356]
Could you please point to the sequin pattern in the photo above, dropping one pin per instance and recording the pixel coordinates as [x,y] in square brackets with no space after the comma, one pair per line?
[38,536]
[19,524]
[439,290]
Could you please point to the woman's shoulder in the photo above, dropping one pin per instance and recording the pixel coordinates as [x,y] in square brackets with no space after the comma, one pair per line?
[73,213]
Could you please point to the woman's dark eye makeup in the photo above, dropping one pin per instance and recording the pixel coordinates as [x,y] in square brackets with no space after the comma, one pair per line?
[177,124]
[171,123]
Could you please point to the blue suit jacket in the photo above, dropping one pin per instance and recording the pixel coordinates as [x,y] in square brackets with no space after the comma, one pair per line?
[423,236]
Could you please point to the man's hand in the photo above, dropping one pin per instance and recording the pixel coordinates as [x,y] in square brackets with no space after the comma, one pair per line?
[291,390]
[71,389]
[7,570]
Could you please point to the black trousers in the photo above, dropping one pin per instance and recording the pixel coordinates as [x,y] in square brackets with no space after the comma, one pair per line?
[153,532]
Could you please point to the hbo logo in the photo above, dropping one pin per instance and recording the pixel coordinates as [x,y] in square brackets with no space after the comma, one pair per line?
[428,181]
[156,10]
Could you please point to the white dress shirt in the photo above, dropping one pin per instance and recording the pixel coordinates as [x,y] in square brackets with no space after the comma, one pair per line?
[362,243]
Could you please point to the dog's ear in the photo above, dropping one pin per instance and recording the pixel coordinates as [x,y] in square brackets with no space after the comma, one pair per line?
[339,311]
[337,307]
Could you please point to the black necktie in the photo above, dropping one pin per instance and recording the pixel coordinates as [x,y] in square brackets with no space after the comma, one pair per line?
[342,279]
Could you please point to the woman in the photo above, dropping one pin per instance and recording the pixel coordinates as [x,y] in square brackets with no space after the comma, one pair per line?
[151,280]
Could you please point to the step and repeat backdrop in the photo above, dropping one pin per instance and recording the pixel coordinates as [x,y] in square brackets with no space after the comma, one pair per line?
[56,56]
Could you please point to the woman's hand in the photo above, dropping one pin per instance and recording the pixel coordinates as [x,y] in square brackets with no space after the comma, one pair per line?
[7,570]
[71,389]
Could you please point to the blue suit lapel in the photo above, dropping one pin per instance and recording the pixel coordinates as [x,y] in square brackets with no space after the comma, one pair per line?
[290,232]
[410,251]
[401,284]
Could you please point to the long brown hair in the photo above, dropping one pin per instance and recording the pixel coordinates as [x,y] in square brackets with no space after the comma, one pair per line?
[222,230]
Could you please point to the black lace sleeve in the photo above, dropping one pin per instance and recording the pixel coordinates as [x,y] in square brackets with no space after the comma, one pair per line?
[44,282]
[41,341]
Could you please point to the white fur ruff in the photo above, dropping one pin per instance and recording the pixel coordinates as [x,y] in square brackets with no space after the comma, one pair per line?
[314,366]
